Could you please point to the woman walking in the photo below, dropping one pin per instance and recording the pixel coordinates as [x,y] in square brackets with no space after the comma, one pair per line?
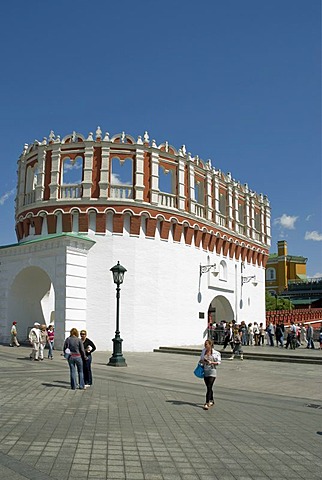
[51,337]
[76,356]
[210,358]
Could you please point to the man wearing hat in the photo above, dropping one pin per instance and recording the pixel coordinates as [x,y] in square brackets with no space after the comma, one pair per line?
[34,339]
[14,338]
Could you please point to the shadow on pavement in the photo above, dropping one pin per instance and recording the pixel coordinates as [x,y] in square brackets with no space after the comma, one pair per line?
[56,386]
[179,402]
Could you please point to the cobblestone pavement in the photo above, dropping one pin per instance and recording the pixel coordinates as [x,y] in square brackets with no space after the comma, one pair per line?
[146,422]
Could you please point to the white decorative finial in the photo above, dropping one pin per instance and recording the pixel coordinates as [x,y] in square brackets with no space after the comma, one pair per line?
[25,148]
[51,136]
[44,141]
[90,137]
[106,137]
[146,137]
[123,137]
[139,140]
[190,157]
[154,145]
[74,137]
[166,146]
[57,139]
[98,133]
[184,150]
[208,163]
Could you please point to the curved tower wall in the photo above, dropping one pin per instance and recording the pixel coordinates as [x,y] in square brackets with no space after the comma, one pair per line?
[160,230]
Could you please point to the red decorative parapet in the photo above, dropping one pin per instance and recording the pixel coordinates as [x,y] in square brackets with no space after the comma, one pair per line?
[297,316]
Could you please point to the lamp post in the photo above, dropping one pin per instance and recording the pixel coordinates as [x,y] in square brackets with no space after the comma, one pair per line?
[117,359]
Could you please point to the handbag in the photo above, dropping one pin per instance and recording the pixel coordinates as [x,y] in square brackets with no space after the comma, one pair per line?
[199,371]
[67,351]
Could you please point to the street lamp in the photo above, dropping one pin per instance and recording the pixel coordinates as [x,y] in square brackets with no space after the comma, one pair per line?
[117,359]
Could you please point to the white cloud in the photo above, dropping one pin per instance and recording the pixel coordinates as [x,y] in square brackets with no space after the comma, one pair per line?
[115,180]
[316,236]
[286,221]
[309,217]
[6,195]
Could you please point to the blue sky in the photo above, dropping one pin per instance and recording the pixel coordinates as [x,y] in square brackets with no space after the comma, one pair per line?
[236,81]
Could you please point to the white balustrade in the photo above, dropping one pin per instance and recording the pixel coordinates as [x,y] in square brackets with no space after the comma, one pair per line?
[199,210]
[30,198]
[167,200]
[121,192]
[70,191]
[222,220]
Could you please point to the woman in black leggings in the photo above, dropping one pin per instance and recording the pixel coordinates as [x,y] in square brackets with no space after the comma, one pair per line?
[210,358]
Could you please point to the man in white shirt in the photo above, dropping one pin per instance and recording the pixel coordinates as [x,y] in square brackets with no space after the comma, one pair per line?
[34,339]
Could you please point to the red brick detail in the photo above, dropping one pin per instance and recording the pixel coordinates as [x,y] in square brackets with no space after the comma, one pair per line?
[197,237]
[47,179]
[188,234]
[83,222]
[243,253]
[232,248]
[67,222]
[259,259]
[219,245]
[151,225]
[212,243]
[51,223]
[164,230]
[249,255]
[225,248]
[118,221]
[147,177]
[238,252]
[26,224]
[255,255]
[177,232]
[97,162]
[38,224]
[264,261]
[19,230]
[206,237]
[100,222]
[135,225]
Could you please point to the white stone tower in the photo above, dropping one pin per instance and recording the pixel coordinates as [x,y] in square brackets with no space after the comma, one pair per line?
[194,242]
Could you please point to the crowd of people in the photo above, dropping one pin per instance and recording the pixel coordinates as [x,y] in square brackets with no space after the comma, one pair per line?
[253,334]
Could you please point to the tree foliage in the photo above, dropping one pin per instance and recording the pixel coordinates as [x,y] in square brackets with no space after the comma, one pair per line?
[277,303]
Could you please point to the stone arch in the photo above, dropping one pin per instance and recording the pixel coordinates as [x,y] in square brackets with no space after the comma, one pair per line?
[220,309]
[31,299]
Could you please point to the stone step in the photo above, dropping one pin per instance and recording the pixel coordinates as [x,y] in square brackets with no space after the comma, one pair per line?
[272,357]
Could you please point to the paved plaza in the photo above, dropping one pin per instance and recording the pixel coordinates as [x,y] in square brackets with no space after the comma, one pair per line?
[146,422]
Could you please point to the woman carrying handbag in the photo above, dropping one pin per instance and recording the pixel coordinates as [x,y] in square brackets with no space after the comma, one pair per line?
[210,358]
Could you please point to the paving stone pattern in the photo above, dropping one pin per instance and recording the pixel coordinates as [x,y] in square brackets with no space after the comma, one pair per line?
[146,422]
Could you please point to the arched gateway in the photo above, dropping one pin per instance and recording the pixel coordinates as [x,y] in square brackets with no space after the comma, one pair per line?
[189,236]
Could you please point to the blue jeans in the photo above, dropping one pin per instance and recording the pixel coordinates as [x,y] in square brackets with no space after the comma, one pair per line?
[51,347]
[76,363]
[88,379]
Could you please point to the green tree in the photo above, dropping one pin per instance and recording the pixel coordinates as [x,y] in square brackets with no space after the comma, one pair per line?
[277,303]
